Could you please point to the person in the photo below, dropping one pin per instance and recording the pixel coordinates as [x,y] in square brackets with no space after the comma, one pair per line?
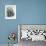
[10,12]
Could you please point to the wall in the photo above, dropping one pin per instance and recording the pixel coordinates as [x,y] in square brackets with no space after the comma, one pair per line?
[27,12]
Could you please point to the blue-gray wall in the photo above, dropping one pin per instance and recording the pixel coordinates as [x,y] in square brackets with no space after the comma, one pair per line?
[27,12]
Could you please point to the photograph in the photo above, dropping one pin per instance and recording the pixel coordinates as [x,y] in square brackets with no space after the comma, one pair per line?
[10,11]
[28,33]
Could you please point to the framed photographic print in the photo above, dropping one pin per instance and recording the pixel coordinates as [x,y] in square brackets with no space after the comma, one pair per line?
[10,11]
[31,32]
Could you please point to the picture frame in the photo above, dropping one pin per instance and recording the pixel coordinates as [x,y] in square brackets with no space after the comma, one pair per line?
[10,11]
